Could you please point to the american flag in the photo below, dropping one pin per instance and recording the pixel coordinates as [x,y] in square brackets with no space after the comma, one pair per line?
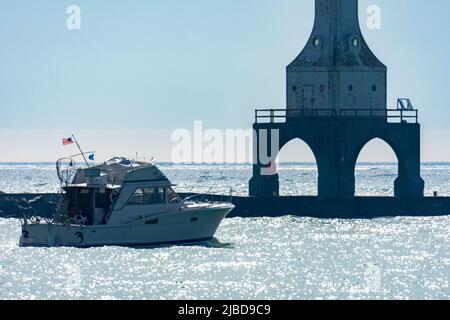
[67,141]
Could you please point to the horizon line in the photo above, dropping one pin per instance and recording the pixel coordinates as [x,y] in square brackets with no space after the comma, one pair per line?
[217,163]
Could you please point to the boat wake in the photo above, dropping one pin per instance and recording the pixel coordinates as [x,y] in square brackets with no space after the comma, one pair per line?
[216,244]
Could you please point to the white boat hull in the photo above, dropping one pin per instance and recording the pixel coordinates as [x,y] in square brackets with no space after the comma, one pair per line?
[188,226]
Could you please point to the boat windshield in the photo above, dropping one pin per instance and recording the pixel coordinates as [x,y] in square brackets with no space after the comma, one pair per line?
[172,196]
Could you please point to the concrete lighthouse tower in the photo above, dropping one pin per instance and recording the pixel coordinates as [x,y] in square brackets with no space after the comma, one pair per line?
[336,69]
[336,103]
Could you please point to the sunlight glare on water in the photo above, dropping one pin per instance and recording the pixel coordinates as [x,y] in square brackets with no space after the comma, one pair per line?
[260,258]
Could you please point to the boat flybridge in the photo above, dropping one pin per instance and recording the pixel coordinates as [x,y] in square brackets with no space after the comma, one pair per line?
[123,203]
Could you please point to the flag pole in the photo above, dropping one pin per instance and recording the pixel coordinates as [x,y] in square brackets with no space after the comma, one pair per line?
[82,153]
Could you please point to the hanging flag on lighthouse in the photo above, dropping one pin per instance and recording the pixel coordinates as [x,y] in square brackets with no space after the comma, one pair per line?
[67,141]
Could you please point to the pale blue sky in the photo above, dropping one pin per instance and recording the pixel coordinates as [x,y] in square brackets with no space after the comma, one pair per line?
[156,65]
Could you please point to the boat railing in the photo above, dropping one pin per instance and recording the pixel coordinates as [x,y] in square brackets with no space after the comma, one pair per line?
[207,194]
[33,218]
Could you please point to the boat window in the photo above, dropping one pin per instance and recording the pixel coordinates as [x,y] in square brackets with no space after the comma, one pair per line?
[83,198]
[160,196]
[154,221]
[172,196]
[154,196]
[137,197]
[147,196]
[100,199]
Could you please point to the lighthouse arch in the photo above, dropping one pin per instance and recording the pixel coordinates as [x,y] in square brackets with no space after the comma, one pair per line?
[297,168]
[375,166]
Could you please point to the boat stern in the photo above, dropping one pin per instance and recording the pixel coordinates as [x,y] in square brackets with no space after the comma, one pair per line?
[38,235]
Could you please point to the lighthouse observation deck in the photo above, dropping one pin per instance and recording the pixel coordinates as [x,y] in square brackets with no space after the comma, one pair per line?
[291,115]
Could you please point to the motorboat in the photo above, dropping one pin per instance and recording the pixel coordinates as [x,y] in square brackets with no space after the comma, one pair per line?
[122,202]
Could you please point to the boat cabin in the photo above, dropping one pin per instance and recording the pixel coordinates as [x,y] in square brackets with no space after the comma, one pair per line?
[119,192]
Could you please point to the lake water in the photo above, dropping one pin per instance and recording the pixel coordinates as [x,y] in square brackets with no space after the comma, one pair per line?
[262,258]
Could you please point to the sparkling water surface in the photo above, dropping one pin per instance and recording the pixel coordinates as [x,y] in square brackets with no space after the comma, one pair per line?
[261,258]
